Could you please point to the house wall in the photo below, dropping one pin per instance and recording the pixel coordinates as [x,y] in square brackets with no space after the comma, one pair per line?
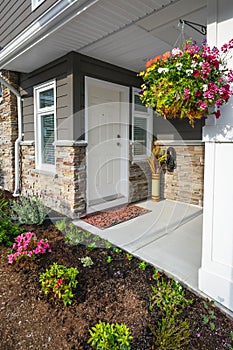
[185,183]
[8,132]
[15,16]
[66,189]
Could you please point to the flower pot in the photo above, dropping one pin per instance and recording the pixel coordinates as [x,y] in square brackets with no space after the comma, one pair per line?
[155,190]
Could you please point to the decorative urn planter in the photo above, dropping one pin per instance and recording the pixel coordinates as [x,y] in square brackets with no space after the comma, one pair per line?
[155,189]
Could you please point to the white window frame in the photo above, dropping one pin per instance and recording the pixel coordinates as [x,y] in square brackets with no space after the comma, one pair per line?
[38,114]
[148,115]
[36,3]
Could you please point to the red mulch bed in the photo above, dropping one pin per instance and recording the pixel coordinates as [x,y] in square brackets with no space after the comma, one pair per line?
[113,217]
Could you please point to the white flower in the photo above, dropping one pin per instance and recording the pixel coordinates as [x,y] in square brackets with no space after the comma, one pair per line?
[163,70]
[194,64]
[176,52]
[179,66]
[205,87]
[189,72]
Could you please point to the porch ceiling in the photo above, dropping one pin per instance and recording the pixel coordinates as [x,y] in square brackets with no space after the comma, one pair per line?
[124,33]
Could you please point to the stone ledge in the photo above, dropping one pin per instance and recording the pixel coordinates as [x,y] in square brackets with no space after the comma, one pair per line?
[70,143]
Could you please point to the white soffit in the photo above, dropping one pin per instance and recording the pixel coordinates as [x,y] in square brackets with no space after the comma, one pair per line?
[123,32]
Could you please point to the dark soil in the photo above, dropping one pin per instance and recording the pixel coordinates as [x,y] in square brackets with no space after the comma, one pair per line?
[112,292]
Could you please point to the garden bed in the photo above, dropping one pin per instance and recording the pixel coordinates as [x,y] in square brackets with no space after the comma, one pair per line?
[113,289]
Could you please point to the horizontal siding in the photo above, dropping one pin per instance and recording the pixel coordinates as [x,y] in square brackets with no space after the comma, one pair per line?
[177,129]
[16,15]
[58,70]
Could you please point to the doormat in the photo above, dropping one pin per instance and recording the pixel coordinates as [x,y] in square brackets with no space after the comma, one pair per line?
[115,216]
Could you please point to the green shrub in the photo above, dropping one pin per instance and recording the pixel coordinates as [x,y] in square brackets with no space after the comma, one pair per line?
[8,232]
[170,333]
[106,336]
[60,281]
[28,210]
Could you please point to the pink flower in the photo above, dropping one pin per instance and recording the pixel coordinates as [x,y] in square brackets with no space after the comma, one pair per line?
[177,52]
[187,94]
[203,106]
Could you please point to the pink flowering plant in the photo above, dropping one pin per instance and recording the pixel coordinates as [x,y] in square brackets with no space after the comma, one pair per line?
[27,246]
[188,83]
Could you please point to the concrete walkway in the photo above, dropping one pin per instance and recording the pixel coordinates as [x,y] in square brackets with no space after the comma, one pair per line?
[169,237]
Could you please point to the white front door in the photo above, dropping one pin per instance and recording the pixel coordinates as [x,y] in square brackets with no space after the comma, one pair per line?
[107,136]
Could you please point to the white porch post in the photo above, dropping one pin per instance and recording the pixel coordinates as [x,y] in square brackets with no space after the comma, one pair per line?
[216,272]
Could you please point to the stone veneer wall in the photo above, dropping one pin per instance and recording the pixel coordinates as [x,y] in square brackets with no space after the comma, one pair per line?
[64,191]
[186,183]
[8,132]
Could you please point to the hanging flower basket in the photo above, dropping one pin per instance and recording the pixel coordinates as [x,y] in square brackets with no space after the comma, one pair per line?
[188,83]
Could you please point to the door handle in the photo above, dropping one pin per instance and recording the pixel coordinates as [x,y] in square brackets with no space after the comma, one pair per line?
[118,136]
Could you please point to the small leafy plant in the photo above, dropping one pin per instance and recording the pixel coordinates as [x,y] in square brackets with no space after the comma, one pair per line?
[117,250]
[109,259]
[107,244]
[60,281]
[8,232]
[143,265]
[129,257]
[209,316]
[28,210]
[86,261]
[27,246]
[106,336]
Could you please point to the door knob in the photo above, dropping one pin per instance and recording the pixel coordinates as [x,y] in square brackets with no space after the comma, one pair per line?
[118,136]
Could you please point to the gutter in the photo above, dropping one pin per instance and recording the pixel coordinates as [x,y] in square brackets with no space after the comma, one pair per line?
[20,134]
[50,21]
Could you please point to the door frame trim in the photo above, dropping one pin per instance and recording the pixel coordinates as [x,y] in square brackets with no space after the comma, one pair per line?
[125,118]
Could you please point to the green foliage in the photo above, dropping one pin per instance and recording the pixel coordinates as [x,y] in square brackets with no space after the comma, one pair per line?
[156,274]
[3,206]
[91,246]
[209,316]
[61,225]
[143,265]
[106,336]
[28,210]
[8,232]
[109,259]
[170,299]
[129,257]
[117,250]
[107,244]
[171,335]
[60,281]
[86,261]
[73,234]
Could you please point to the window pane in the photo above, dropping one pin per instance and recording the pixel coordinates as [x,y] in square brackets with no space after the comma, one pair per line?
[140,136]
[46,98]
[47,138]
[138,106]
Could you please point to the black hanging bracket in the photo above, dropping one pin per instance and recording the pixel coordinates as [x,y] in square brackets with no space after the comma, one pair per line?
[200,28]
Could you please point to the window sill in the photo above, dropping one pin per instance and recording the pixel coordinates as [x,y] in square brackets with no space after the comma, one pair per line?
[46,172]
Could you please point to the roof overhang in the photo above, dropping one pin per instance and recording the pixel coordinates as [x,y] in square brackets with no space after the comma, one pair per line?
[125,33]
